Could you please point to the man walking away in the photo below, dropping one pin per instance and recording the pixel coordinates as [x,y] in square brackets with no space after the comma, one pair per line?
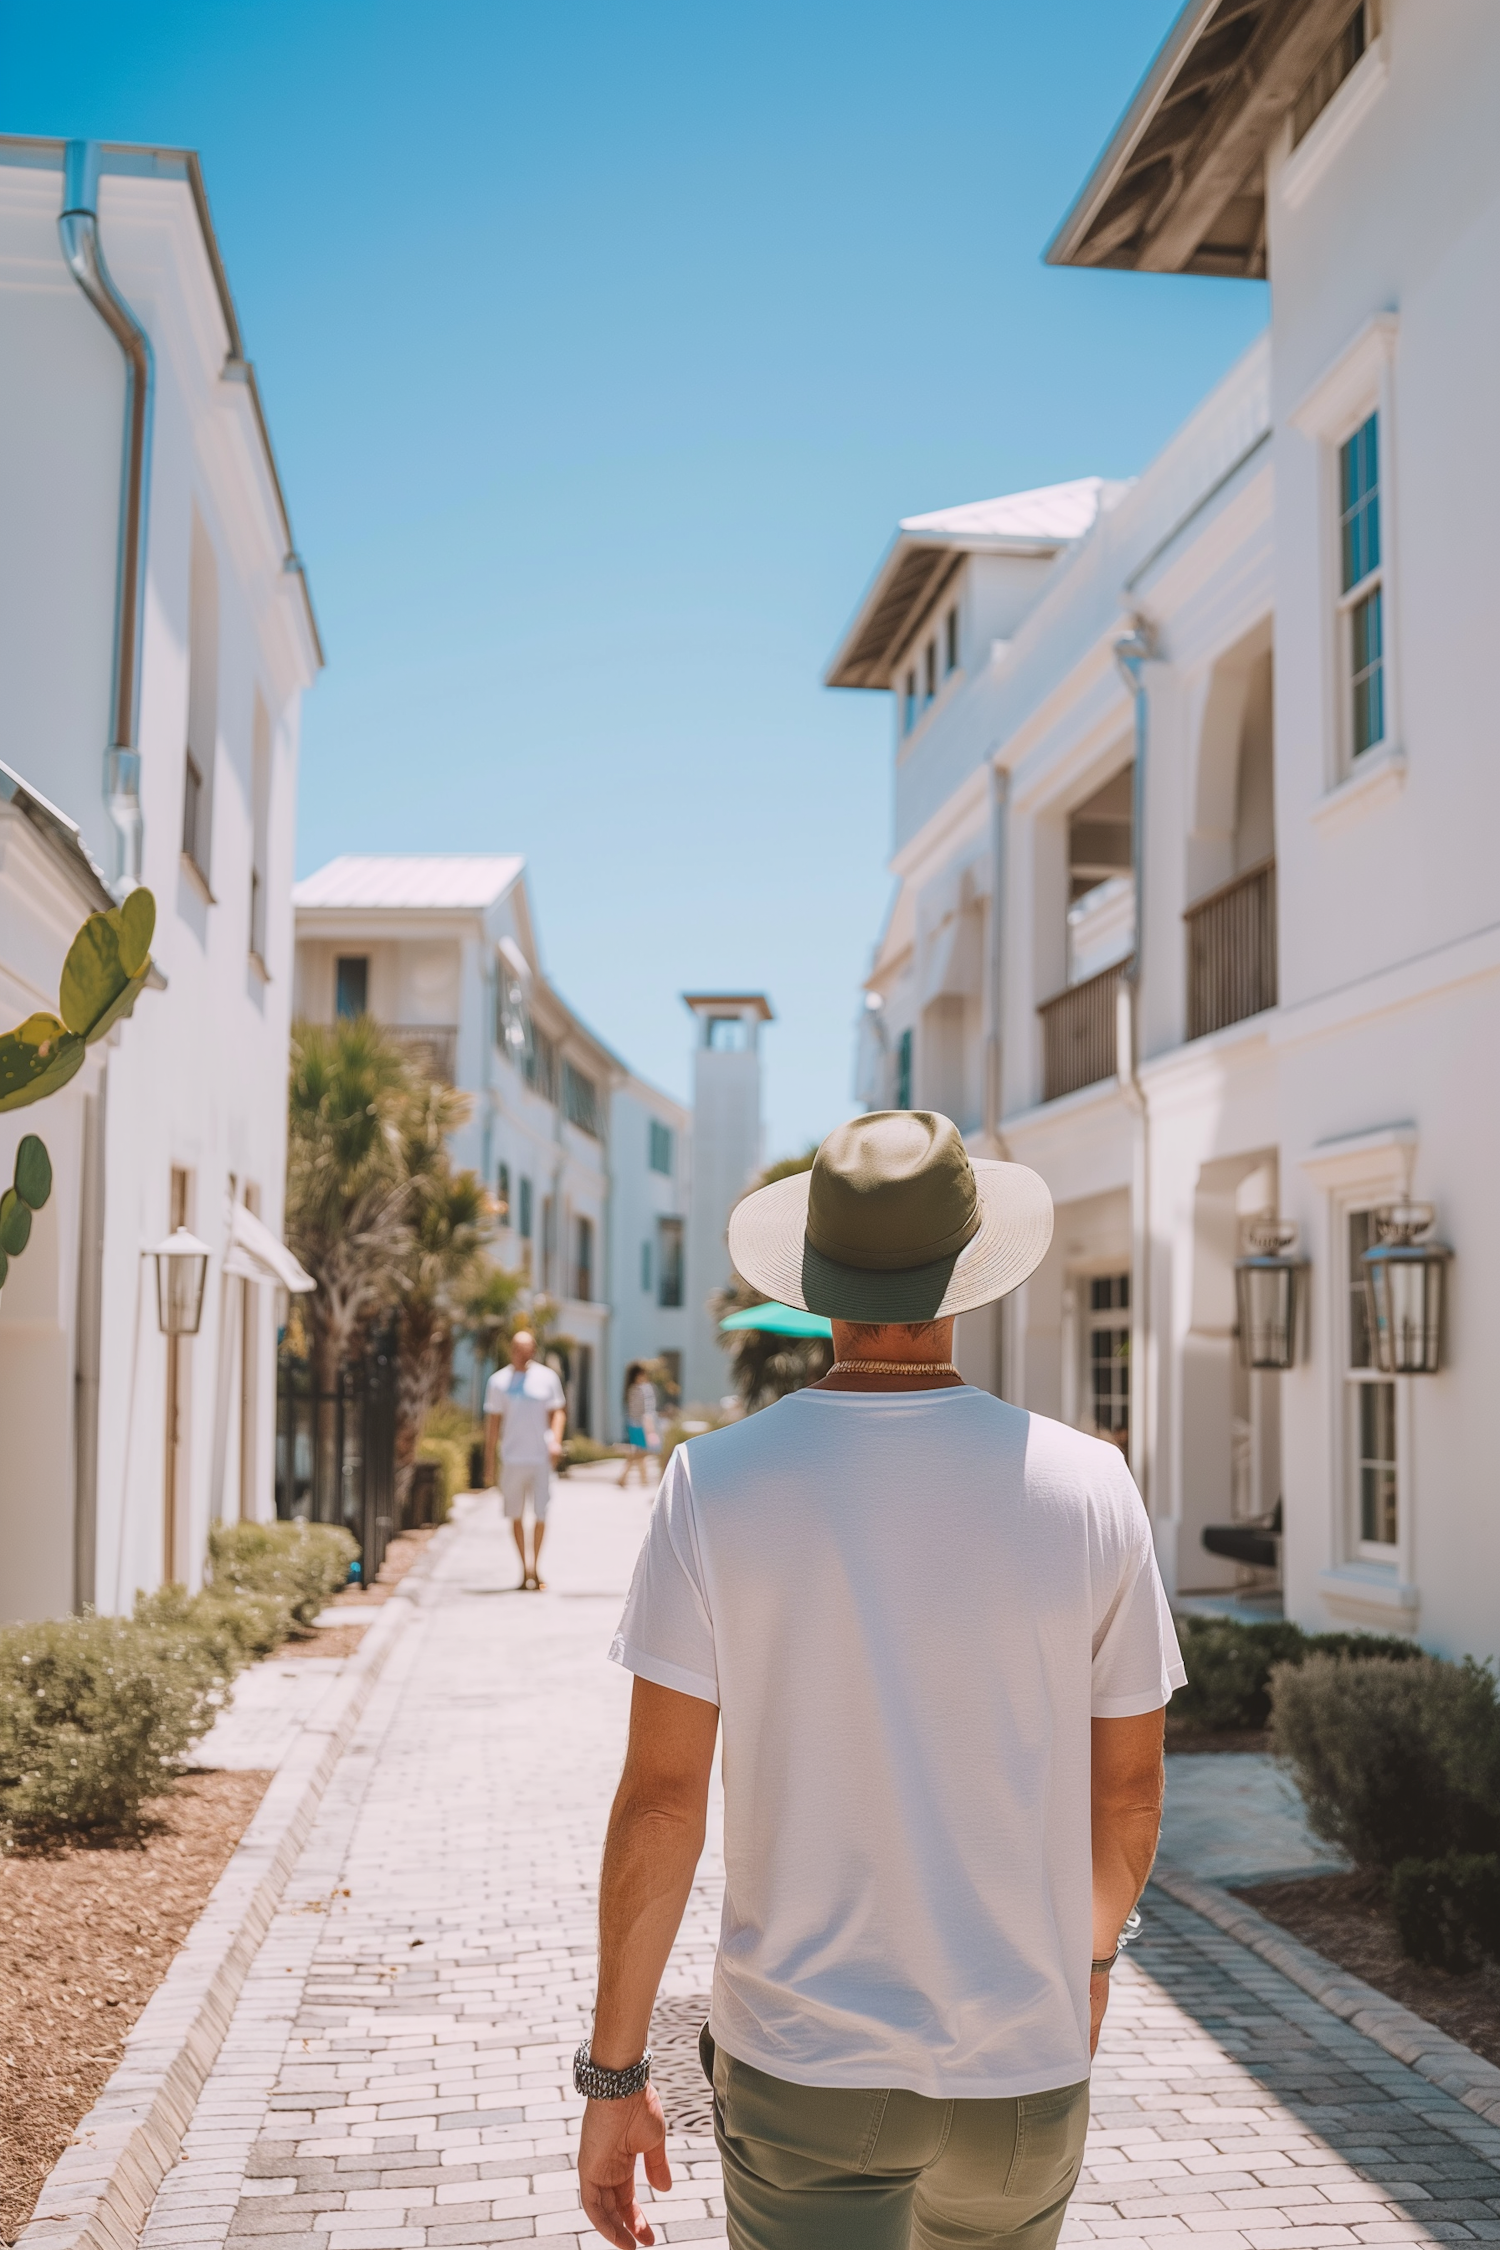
[933,1630]
[525,1410]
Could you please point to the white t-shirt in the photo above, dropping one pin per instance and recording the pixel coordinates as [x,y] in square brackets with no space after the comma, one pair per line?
[908,1607]
[525,1402]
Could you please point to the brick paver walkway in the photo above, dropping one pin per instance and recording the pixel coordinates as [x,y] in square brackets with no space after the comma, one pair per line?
[397,2071]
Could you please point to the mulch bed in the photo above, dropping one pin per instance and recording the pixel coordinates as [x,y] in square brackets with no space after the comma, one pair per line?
[1347,1920]
[86,1935]
[326,1640]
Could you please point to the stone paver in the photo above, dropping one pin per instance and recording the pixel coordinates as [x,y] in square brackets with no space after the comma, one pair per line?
[1233,1816]
[397,2073]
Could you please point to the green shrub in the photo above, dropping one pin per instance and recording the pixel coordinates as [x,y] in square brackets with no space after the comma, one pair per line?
[1395,1760]
[232,1626]
[95,1713]
[1448,1910]
[1229,1665]
[578,1449]
[690,1423]
[300,1564]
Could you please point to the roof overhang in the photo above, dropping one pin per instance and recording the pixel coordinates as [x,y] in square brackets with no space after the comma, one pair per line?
[1180,187]
[61,838]
[910,580]
[757,1001]
[135,161]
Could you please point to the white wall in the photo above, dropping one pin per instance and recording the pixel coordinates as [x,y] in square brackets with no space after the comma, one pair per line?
[196,1079]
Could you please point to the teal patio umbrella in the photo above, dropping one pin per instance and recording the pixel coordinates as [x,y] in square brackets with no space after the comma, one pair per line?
[779,1320]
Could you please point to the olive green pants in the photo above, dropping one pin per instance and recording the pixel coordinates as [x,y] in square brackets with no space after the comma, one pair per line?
[878,2168]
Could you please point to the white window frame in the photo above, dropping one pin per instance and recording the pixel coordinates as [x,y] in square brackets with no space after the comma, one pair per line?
[1356,1379]
[1359,383]
[1079,1323]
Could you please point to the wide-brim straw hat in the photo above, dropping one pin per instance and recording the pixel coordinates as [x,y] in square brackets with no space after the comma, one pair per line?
[895,1222]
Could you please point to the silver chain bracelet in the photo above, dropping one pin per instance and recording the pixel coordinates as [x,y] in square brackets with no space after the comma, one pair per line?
[600,2085]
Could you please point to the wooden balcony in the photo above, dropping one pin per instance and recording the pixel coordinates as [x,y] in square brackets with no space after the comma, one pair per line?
[1231,938]
[1078,1034]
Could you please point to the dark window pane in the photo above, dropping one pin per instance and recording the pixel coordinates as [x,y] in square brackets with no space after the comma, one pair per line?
[352,985]
[1367,671]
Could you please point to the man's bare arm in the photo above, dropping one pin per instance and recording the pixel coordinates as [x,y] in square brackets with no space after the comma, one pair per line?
[1126,1778]
[557,1424]
[491,1446]
[651,1852]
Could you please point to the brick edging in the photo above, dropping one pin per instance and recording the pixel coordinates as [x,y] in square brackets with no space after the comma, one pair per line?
[1444,2062]
[100,2191]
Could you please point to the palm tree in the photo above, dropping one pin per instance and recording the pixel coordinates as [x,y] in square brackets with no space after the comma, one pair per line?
[449,1218]
[347,1184]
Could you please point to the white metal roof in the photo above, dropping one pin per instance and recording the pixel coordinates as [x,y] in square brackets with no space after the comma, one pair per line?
[435,881]
[1051,511]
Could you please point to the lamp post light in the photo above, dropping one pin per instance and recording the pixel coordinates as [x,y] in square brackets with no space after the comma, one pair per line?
[181,1270]
[1268,1292]
[1403,1280]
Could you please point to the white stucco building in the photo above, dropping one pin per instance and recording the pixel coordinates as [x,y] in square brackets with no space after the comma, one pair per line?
[442,950]
[156,638]
[1306,1021]
[730,1150]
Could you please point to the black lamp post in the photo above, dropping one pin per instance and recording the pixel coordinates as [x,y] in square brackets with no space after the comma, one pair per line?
[1268,1290]
[1403,1279]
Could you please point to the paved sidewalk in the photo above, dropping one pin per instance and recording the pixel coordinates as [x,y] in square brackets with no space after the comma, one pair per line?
[397,2073]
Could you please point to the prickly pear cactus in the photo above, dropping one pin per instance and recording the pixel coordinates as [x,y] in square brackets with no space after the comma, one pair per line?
[33,1185]
[107,964]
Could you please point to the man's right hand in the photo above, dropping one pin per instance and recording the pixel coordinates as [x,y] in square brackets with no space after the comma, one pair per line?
[614,2135]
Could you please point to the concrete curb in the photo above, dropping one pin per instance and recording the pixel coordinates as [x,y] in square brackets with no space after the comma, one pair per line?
[1446,2063]
[100,2191]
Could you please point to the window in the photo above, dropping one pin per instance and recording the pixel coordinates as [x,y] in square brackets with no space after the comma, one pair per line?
[1360,585]
[929,672]
[1107,1346]
[661,1147]
[909,704]
[580,1101]
[523,1211]
[903,1071]
[645,1269]
[583,1389]
[513,1033]
[352,985]
[1358,33]
[726,1035]
[950,640]
[670,1364]
[549,1239]
[540,1064]
[202,703]
[669,1262]
[1371,1414]
[502,1195]
[260,825]
[193,837]
[583,1263]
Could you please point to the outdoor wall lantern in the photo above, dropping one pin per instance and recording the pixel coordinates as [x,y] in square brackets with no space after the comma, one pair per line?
[1268,1289]
[1404,1290]
[181,1270]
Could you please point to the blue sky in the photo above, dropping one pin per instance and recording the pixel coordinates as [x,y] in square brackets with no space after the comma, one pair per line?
[602,348]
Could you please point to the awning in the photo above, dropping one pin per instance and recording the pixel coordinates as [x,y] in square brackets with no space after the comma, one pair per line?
[255,1255]
[779,1320]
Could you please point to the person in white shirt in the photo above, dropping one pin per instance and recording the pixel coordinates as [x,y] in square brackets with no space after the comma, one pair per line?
[526,1414]
[932,1628]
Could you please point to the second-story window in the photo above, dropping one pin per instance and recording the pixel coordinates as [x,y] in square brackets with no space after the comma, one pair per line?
[909,704]
[645,1269]
[580,1101]
[583,1264]
[194,820]
[950,640]
[669,1261]
[903,1071]
[202,704]
[661,1146]
[1360,589]
[929,672]
[523,1208]
[351,985]
[502,1195]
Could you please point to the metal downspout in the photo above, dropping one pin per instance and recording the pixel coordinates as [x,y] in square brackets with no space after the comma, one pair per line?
[78,229]
[994,1088]
[1133,651]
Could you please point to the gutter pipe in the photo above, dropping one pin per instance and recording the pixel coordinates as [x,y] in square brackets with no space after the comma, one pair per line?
[1132,652]
[78,228]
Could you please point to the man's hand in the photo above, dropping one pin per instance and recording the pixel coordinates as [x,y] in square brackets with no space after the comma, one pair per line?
[614,2135]
[1098,2002]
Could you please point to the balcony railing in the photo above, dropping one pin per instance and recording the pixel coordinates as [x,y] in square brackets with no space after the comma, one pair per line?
[1231,937]
[433,1047]
[1078,1035]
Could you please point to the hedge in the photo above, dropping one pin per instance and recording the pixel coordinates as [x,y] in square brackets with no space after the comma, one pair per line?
[1448,1910]
[300,1564]
[1229,1666]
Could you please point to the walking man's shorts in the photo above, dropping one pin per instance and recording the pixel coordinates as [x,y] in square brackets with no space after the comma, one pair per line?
[526,1481]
